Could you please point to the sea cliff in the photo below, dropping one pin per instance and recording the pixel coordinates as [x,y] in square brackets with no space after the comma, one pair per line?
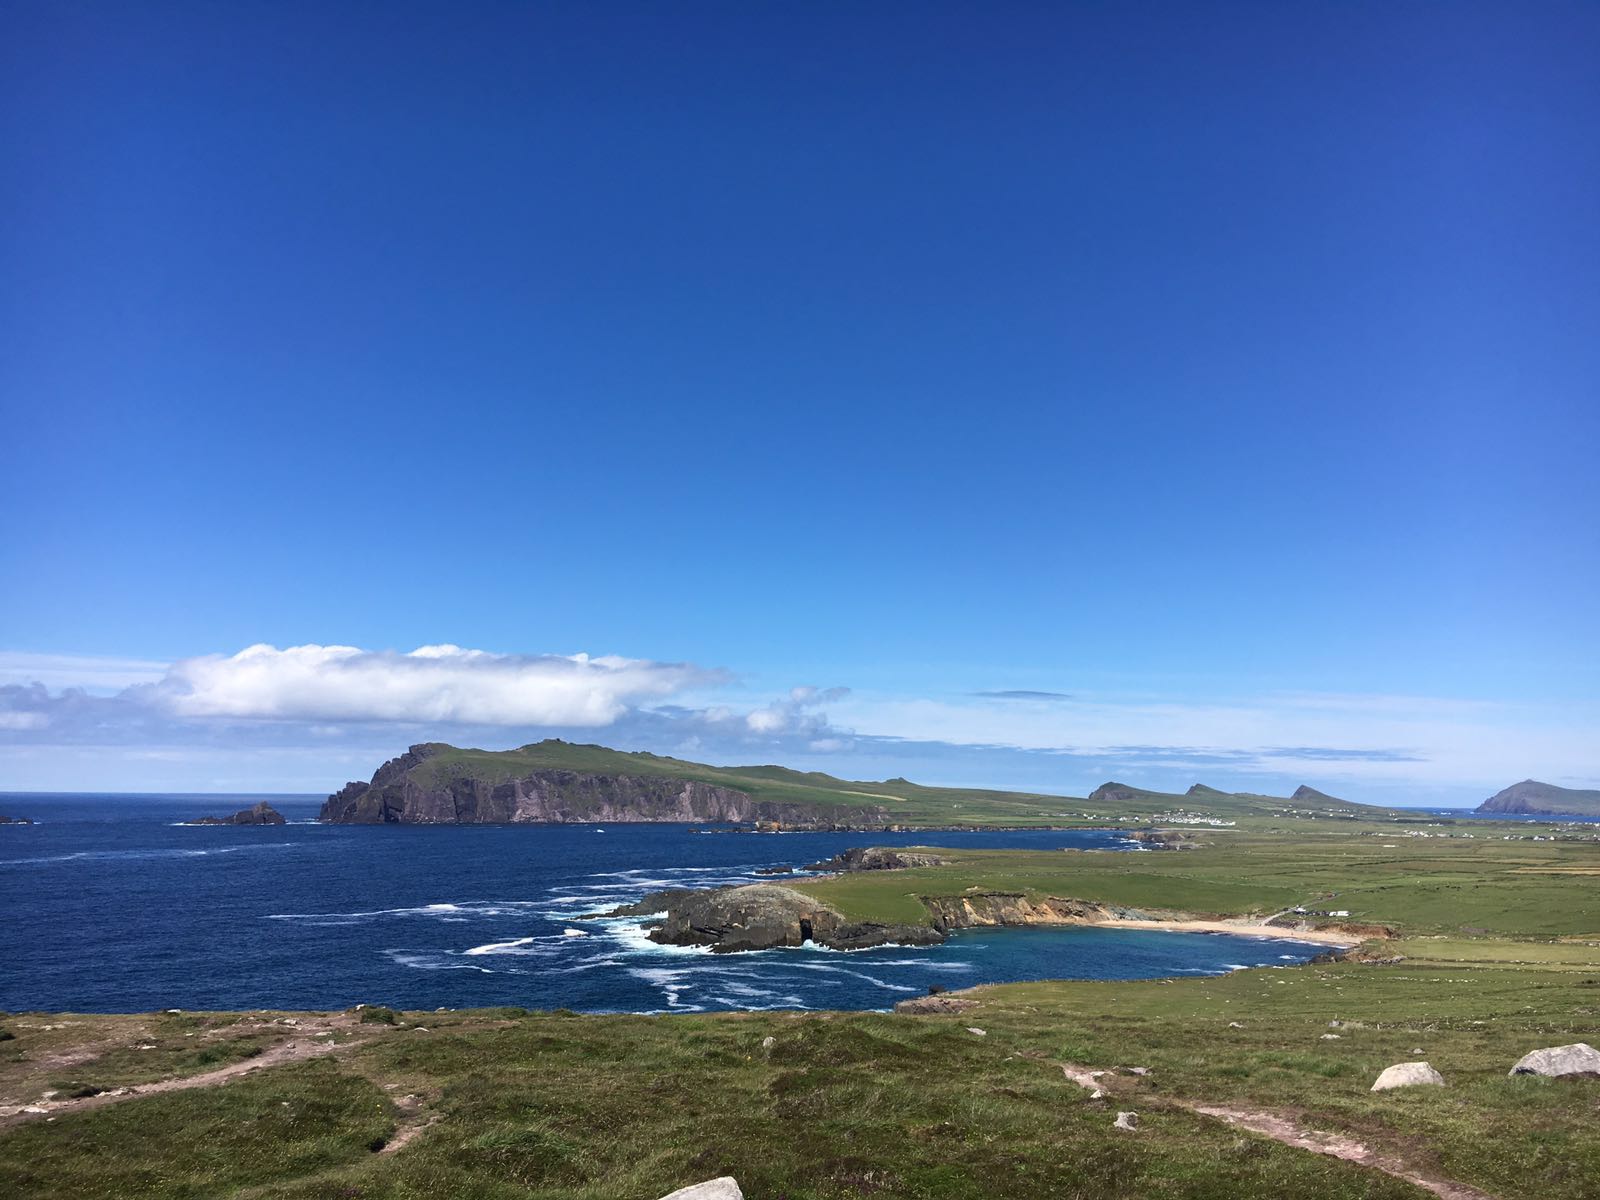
[404,791]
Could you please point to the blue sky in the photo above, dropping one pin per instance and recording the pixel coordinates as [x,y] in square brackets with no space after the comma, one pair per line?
[1229,371]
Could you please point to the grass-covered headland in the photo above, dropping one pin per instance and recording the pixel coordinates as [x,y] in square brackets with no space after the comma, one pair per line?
[1499,953]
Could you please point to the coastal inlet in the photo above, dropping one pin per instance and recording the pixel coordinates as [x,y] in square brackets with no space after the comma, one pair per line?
[314,916]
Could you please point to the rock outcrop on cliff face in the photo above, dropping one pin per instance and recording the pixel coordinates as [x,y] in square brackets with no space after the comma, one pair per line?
[761,916]
[260,814]
[876,858]
[400,792]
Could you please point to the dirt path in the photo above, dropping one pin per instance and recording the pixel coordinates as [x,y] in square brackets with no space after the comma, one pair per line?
[284,1052]
[407,1130]
[1283,1128]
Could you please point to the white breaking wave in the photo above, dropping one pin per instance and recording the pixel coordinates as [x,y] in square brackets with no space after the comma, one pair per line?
[428,960]
[464,910]
[138,855]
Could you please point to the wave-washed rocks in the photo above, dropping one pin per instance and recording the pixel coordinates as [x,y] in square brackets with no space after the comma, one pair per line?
[260,814]
[762,916]
[4,820]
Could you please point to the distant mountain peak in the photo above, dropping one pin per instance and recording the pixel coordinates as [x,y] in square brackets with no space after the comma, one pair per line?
[1306,794]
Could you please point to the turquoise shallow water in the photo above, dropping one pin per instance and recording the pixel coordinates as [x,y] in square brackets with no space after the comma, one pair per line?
[113,905]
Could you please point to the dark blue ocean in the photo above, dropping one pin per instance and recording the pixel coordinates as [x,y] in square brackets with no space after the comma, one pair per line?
[110,904]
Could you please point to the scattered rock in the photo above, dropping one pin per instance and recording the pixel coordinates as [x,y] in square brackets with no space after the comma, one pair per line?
[1127,1120]
[768,1042]
[774,871]
[925,1005]
[975,1030]
[726,1188]
[1330,1037]
[1235,1025]
[1097,1094]
[1412,1074]
[1580,1058]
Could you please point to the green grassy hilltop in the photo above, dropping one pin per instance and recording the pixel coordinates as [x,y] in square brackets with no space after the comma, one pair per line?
[902,802]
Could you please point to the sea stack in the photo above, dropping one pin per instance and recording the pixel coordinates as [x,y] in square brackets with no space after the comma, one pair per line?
[260,814]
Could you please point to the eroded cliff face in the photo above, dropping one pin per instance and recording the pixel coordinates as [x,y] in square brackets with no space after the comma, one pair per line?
[558,796]
[1013,908]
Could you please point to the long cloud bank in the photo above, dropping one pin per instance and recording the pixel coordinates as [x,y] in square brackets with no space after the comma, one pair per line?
[310,716]
[438,684]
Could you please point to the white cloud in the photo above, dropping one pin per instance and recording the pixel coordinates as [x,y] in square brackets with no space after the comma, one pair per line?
[430,684]
[796,714]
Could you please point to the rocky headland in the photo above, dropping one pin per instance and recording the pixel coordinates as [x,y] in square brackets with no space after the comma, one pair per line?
[1532,798]
[411,789]
[259,814]
[761,916]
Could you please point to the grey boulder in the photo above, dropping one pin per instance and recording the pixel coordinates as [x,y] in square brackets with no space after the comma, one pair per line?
[1410,1074]
[1580,1058]
[725,1188]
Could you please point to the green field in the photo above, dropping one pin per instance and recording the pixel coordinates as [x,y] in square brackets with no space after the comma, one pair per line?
[1473,885]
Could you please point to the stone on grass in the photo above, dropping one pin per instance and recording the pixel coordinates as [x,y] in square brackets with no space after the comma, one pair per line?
[725,1188]
[1127,1120]
[1410,1074]
[973,1029]
[768,1042]
[1580,1058]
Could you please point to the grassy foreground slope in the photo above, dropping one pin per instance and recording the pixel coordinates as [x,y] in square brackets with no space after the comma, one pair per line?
[903,801]
[507,1105]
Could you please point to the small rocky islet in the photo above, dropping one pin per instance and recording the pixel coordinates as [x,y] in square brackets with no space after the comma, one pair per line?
[258,814]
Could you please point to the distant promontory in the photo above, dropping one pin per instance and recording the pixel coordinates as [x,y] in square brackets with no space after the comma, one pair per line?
[1533,798]
[559,783]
